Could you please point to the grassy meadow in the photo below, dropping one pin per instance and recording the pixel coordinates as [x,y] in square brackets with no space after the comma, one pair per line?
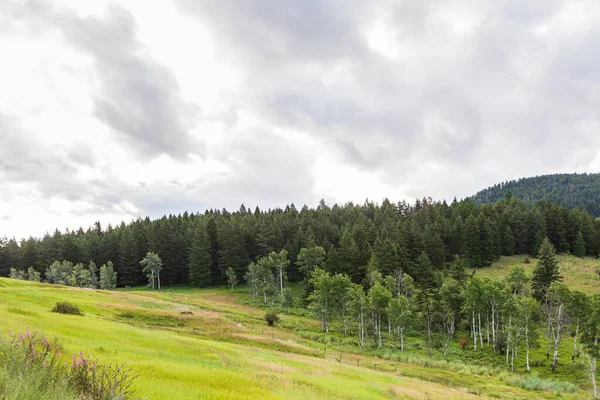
[214,344]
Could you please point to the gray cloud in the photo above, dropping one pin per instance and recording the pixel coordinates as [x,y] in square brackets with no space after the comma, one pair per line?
[449,99]
[137,97]
[474,94]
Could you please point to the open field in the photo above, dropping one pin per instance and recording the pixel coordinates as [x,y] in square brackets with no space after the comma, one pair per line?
[224,348]
[579,273]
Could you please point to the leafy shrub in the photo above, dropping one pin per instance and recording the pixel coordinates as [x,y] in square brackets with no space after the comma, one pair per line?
[526,260]
[271,318]
[65,307]
[96,381]
[463,342]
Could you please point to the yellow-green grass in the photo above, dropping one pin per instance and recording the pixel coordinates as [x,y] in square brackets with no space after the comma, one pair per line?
[223,349]
[578,273]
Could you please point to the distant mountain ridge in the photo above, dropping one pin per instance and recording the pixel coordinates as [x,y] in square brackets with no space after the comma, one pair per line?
[568,190]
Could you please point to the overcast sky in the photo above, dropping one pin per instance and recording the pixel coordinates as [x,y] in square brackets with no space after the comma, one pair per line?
[110,110]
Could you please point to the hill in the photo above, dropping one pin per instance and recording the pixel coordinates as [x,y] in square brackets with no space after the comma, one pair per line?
[568,190]
[221,348]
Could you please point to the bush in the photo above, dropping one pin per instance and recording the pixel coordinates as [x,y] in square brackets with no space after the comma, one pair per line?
[526,260]
[31,368]
[67,308]
[271,318]
[463,342]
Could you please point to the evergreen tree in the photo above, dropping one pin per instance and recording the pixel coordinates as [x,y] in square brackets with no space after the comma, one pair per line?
[579,246]
[127,265]
[471,243]
[546,271]
[200,274]
[93,275]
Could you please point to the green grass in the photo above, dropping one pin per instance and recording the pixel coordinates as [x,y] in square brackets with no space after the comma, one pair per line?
[579,273]
[225,350]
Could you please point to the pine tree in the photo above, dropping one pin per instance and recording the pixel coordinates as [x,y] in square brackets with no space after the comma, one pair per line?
[579,245]
[127,265]
[471,243]
[546,271]
[200,274]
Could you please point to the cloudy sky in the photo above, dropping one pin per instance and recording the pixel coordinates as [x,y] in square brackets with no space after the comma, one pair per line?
[110,110]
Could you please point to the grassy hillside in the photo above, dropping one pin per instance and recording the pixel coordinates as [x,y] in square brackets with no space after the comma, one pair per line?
[224,350]
[579,273]
[568,190]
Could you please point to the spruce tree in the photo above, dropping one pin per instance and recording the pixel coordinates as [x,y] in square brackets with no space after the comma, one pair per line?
[546,271]
[579,245]
[200,274]
[127,265]
[471,243]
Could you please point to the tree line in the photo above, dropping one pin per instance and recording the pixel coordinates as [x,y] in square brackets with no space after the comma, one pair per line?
[568,190]
[199,249]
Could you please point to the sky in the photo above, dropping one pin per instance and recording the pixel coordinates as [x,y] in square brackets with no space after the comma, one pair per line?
[113,110]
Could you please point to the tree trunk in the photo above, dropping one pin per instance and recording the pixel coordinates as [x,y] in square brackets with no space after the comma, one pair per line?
[152,280]
[473,332]
[401,339]
[280,279]
[556,337]
[509,338]
[527,343]
[480,332]
[493,330]
[575,342]
[158,279]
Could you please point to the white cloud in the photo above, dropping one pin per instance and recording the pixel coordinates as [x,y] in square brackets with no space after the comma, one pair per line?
[110,110]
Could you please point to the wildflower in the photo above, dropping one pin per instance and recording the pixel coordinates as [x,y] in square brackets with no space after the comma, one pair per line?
[58,354]
[44,363]
[27,333]
[21,336]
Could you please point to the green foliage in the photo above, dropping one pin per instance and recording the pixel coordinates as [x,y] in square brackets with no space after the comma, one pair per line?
[200,274]
[108,277]
[271,318]
[231,277]
[152,265]
[31,368]
[546,272]
[568,190]
[65,307]
[534,382]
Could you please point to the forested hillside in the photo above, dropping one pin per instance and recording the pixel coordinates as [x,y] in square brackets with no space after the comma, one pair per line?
[568,190]
[200,248]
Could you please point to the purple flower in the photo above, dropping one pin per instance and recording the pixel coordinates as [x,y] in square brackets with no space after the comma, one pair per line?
[21,336]
[58,354]
[27,333]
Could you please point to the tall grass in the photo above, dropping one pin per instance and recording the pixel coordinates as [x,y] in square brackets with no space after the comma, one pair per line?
[534,382]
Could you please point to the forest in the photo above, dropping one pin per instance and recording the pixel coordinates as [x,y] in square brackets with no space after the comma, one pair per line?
[568,190]
[396,233]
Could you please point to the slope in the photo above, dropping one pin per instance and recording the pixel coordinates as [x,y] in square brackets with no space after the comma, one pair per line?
[568,190]
[194,344]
